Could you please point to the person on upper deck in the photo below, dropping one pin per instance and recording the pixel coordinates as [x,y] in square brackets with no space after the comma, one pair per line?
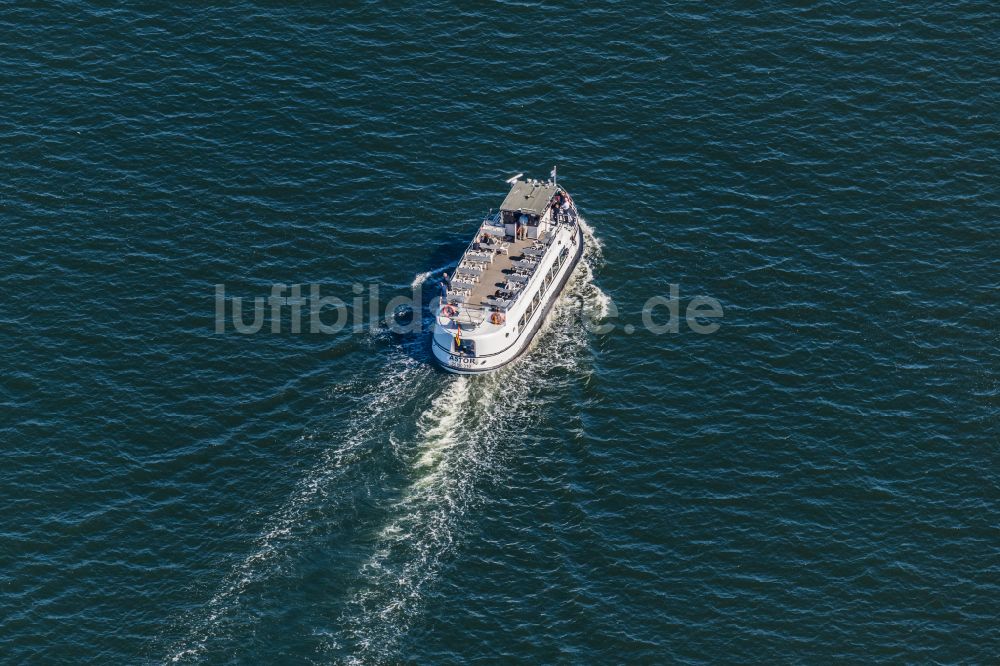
[556,205]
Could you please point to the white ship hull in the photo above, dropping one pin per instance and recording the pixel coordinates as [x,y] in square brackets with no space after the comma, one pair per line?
[490,332]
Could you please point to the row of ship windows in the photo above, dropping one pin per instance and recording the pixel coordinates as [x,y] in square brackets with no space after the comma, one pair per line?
[546,282]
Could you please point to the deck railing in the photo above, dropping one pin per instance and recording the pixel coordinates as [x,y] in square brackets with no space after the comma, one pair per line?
[469,317]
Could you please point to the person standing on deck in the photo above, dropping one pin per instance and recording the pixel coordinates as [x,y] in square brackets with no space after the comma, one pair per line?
[444,287]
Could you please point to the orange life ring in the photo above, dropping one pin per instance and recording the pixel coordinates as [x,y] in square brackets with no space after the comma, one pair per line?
[497,318]
[449,310]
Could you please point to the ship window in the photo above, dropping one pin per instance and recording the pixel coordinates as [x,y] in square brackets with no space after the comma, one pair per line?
[467,347]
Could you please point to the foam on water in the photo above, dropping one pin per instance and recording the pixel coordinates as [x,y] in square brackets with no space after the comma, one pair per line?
[423,277]
[595,303]
[595,245]
[439,423]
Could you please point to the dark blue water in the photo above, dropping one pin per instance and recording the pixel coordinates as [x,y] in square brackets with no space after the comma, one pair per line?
[815,481]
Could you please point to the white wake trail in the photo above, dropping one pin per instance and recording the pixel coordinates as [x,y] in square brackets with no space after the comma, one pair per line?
[461,438]
[401,378]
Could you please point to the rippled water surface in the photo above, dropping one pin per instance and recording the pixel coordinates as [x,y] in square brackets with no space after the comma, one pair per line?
[816,481]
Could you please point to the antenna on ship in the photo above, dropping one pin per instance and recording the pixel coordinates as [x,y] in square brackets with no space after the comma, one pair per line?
[553,176]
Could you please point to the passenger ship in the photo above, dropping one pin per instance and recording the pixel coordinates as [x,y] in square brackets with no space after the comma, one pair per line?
[508,278]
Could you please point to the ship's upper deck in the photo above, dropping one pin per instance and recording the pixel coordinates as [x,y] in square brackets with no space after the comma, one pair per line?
[494,271]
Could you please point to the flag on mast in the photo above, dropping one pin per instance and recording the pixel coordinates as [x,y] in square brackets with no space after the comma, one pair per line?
[553,175]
